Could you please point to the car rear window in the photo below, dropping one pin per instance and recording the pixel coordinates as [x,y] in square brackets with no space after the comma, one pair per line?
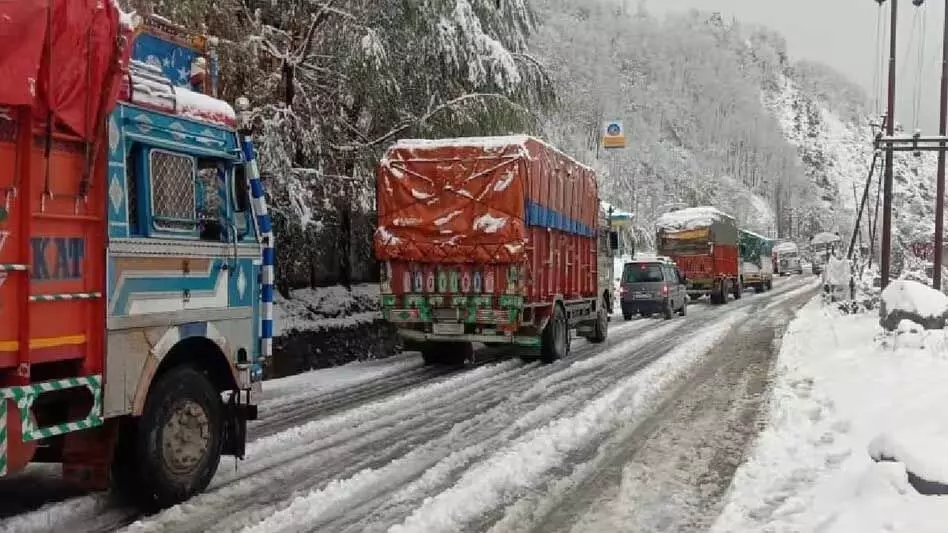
[642,273]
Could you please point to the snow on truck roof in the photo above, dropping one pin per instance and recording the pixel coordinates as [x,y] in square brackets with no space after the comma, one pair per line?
[487,143]
[692,218]
[824,238]
[754,234]
[786,247]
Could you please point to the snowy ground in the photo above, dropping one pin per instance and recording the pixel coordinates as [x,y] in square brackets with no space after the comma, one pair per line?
[500,446]
[842,387]
[326,308]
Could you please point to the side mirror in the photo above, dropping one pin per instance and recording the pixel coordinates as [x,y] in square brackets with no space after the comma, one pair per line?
[613,240]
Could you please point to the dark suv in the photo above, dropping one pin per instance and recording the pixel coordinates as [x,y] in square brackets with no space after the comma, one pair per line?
[652,286]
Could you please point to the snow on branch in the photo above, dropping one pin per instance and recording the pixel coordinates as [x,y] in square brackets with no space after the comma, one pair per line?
[450,105]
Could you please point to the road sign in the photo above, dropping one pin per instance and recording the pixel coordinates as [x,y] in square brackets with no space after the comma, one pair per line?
[613,135]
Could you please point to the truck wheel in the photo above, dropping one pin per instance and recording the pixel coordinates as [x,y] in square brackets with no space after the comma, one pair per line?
[738,290]
[684,307]
[175,446]
[601,329]
[667,312]
[627,316]
[555,342]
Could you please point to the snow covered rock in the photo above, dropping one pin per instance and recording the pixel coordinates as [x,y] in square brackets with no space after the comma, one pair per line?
[910,300]
[925,458]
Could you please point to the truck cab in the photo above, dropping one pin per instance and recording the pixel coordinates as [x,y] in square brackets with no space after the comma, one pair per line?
[136,306]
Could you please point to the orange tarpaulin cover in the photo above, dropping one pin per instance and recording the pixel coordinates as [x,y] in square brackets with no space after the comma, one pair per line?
[59,56]
[465,200]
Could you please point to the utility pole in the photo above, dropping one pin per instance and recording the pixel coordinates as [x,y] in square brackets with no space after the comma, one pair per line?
[889,153]
[940,183]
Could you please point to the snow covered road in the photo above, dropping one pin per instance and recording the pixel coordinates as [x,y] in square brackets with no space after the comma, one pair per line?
[502,446]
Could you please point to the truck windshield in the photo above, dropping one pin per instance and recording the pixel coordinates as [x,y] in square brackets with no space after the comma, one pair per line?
[642,273]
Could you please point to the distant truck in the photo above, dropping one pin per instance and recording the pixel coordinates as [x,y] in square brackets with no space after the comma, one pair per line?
[786,258]
[823,246]
[703,242]
[757,269]
[493,240]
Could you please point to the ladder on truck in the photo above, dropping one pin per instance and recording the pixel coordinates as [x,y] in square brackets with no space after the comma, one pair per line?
[30,208]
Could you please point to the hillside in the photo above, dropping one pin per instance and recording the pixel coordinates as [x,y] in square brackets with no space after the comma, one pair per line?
[717,114]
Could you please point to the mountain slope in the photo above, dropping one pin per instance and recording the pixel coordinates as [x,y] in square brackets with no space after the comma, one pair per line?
[716,113]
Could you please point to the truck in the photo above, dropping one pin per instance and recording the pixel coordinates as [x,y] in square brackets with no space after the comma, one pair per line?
[823,246]
[786,258]
[703,242]
[496,240]
[757,269]
[136,254]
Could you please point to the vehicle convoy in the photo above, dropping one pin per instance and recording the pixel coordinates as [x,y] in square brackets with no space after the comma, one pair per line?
[492,240]
[652,286]
[757,268]
[822,247]
[786,258]
[136,259]
[703,242]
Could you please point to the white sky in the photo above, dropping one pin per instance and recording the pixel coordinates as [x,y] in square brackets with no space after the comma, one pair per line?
[842,34]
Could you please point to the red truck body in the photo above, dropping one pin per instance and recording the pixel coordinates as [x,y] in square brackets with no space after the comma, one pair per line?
[481,237]
[703,242]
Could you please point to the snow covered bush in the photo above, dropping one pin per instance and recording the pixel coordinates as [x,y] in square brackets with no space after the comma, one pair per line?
[910,300]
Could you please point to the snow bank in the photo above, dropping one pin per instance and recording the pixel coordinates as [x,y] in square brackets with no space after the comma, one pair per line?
[923,454]
[691,218]
[326,308]
[914,298]
[839,384]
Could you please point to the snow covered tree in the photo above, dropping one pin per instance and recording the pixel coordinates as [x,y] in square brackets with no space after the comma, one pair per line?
[333,82]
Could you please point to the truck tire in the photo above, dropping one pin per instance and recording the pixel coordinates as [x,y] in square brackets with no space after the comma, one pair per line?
[627,316]
[172,451]
[738,290]
[667,312]
[601,329]
[684,307]
[554,343]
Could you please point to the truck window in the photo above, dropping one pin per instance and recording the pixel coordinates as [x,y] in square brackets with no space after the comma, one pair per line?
[642,273]
[212,210]
[174,203]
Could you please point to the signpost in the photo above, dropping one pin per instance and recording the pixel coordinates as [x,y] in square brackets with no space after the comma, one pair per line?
[613,135]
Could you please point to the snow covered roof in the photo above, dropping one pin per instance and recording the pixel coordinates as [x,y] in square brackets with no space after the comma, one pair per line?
[616,212]
[824,238]
[787,246]
[755,234]
[692,218]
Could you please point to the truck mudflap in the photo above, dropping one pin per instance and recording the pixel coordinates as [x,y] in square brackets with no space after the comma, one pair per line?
[24,397]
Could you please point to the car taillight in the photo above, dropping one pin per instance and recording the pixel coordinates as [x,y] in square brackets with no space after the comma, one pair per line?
[664,290]
[623,290]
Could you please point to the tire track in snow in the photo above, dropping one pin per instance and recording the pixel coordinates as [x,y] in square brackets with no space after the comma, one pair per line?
[379,444]
[409,420]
